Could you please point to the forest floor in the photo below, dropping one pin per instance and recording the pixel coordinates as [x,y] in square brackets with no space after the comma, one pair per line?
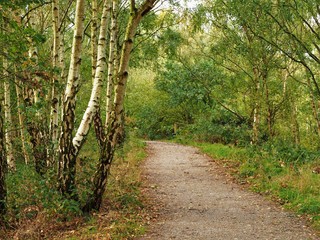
[190,196]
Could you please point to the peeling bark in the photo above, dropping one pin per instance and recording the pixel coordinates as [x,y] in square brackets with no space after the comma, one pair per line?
[67,152]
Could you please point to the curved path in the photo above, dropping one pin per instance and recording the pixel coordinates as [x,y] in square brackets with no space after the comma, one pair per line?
[195,200]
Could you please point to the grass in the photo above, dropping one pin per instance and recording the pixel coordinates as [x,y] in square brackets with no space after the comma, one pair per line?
[37,211]
[277,174]
[122,213]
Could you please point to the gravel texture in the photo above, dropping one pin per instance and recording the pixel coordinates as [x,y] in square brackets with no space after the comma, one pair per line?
[192,198]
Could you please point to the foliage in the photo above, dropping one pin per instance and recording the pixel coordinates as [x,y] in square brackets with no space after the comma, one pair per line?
[220,127]
[147,109]
[242,73]
[28,190]
[33,198]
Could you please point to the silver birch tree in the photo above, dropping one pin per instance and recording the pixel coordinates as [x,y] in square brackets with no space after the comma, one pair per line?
[3,164]
[67,152]
[94,102]
[7,116]
[94,27]
[112,132]
[55,96]
[111,61]
[23,132]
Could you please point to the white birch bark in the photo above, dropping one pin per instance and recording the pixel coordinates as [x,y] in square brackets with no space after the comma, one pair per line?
[55,97]
[63,75]
[256,111]
[107,149]
[33,55]
[67,155]
[7,110]
[74,69]
[94,29]
[3,167]
[64,72]
[8,118]
[24,141]
[111,61]
[94,101]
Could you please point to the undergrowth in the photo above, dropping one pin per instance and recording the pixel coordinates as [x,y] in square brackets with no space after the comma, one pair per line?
[286,174]
[36,210]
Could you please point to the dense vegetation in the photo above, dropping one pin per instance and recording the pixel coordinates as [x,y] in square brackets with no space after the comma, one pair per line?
[240,79]
[244,74]
[64,67]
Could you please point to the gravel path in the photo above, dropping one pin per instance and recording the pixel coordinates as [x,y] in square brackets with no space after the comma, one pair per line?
[195,200]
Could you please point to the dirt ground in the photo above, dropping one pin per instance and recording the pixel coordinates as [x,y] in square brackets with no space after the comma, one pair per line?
[192,198]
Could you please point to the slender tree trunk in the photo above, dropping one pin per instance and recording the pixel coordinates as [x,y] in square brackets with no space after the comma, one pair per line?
[24,139]
[111,61]
[107,151]
[295,124]
[3,167]
[94,102]
[314,107]
[94,29]
[55,96]
[284,85]
[256,111]
[270,116]
[8,118]
[67,152]
[256,94]
[37,130]
[33,55]
[64,72]
[63,79]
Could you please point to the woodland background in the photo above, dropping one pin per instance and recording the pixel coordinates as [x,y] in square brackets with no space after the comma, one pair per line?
[239,79]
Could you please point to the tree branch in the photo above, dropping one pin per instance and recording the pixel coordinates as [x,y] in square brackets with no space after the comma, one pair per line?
[34,8]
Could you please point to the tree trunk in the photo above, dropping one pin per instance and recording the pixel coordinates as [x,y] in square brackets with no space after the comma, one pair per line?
[94,102]
[3,167]
[270,112]
[24,139]
[94,29]
[8,118]
[256,110]
[314,107]
[37,129]
[55,96]
[111,61]
[295,125]
[67,152]
[107,151]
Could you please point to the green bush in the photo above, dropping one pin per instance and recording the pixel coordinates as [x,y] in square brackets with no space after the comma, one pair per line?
[220,128]
[29,193]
